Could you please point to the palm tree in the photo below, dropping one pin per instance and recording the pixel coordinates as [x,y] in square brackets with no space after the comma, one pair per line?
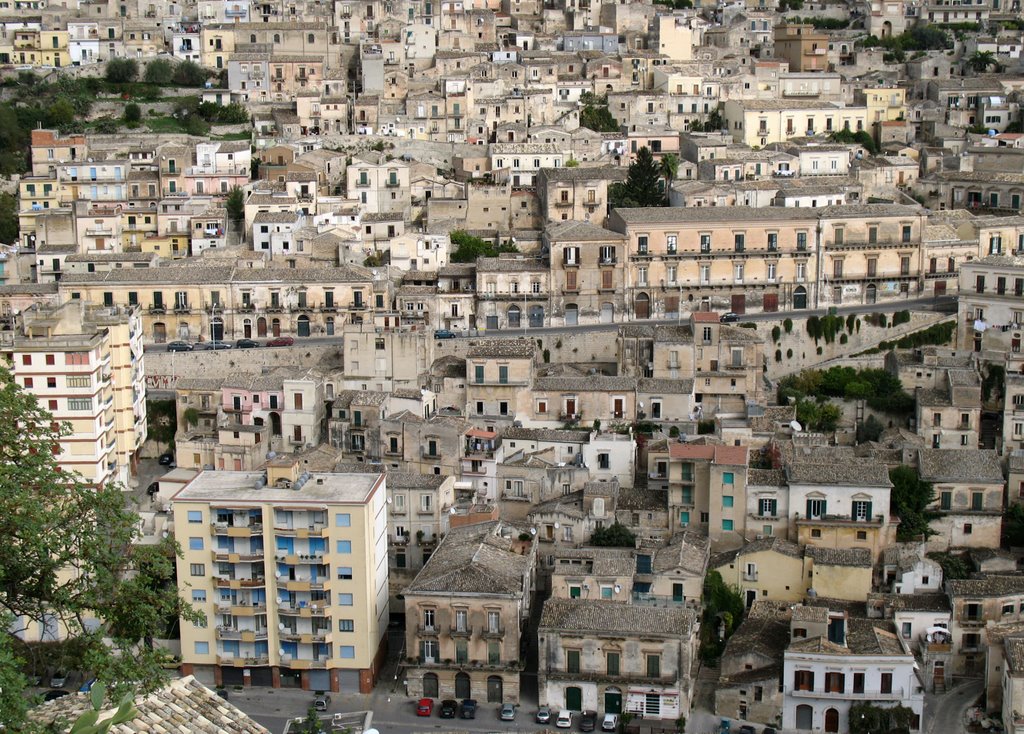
[669,168]
[980,61]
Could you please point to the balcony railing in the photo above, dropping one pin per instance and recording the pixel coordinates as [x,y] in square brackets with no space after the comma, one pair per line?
[493,632]
[242,661]
[895,693]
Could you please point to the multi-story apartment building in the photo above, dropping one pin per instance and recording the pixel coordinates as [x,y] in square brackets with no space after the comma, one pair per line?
[512,292]
[969,487]
[577,194]
[718,257]
[802,47]
[761,122]
[949,416]
[224,302]
[291,572]
[601,654]
[499,374]
[465,612]
[85,365]
[380,185]
[587,274]
[990,311]
[835,660]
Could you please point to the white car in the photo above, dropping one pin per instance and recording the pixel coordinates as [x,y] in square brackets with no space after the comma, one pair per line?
[564,720]
[610,722]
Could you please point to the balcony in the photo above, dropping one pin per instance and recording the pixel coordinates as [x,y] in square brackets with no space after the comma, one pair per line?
[224,582]
[461,631]
[493,633]
[247,307]
[604,677]
[157,309]
[873,522]
[99,232]
[357,306]
[656,600]
[182,308]
[236,531]
[972,621]
[240,662]
[430,630]
[430,454]
[234,557]
[608,261]
[314,529]
[894,694]
[275,308]
[935,646]
[236,12]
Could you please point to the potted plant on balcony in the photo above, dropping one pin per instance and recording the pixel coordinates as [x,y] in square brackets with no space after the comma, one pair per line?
[419,536]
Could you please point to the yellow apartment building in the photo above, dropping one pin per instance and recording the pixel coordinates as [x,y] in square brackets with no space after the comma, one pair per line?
[291,572]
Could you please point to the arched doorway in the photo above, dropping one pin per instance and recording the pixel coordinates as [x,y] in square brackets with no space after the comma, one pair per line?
[183,331]
[642,306]
[804,716]
[217,329]
[536,316]
[613,700]
[261,326]
[572,314]
[247,328]
[275,327]
[430,686]
[303,326]
[329,326]
[872,293]
[607,313]
[463,689]
[495,689]
[275,424]
[159,332]
[574,698]
[800,297]
[886,29]
[832,720]
[515,317]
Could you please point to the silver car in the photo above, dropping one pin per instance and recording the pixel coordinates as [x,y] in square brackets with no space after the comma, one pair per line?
[508,712]
[544,715]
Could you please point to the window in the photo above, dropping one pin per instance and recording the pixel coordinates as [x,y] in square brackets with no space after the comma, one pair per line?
[816,508]
[195,544]
[478,374]
[861,511]
[968,528]
[727,500]
[199,595]
[612,663]
[76,403]
[344,546]
[345,573]
[348,651]
[885,683]
[945,500]
[343,520]
[344,600]
[767,507]
[727,525]
[977,501]
[727,477]
[197,569]
[202,648]
[346,625]
[654,666]
[572,661]
[195,516]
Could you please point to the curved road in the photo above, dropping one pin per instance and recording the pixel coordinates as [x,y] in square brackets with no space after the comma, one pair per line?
[942,303]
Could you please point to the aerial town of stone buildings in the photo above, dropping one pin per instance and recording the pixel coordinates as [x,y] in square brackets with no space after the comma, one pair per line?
[421,344]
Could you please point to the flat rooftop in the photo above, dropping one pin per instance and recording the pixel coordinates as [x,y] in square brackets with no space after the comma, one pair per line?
[247,486]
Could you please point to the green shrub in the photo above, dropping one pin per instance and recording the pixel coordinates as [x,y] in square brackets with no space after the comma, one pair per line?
[778,355]
[120,71]
[788,326]
[705,426]
[776,333]
[843,339]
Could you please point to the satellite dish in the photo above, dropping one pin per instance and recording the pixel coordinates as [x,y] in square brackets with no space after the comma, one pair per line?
[277,574]
[533,531]
[557,525]
[617,588]
[280,625]
[795,425]
[281,651]
[452,510]
[388,500]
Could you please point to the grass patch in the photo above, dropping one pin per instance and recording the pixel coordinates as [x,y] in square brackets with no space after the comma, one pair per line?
[232,136]
[164,124]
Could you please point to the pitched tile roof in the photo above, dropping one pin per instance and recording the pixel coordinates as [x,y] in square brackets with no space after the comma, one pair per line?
[475,559]
[183,706]
[594,617]
[952,465]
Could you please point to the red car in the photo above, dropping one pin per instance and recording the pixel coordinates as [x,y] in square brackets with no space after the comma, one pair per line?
[425,707]
[281,341]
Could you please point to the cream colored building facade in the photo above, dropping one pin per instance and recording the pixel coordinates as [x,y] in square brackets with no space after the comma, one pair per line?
[291,573]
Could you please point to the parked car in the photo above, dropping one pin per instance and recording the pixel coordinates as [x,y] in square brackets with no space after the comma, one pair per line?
[469,709]
[320,703]
[87,686]
[246,344]
[508,712]
[610,722]
[214,346]
[166,459]
[564,720]
[179,347]
[59,679]
[747,729]
[281,341]
[449,708]
[729,318]
[769,730]
[425,707]
[544,715]
[54,694]
[444,334]
[588,721]
[153,488]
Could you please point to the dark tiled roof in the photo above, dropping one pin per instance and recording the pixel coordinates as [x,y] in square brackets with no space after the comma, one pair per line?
[474,559]
[952,465]
[598,616]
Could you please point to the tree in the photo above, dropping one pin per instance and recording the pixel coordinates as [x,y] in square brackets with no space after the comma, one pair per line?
[723,611]
[669,168]
[468,248]
[132,114]
[870,430]
[980,61]
[1013,526]
[311,724]
[159,71]
[642,186]
[60,114]
[595,115]
[122,71]
[8,218]
[909,501]
[615,535]
[69,558]
[866,718]
[189,74]
[235,204]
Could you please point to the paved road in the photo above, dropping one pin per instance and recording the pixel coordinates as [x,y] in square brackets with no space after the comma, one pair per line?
[944,712]
[943,303]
